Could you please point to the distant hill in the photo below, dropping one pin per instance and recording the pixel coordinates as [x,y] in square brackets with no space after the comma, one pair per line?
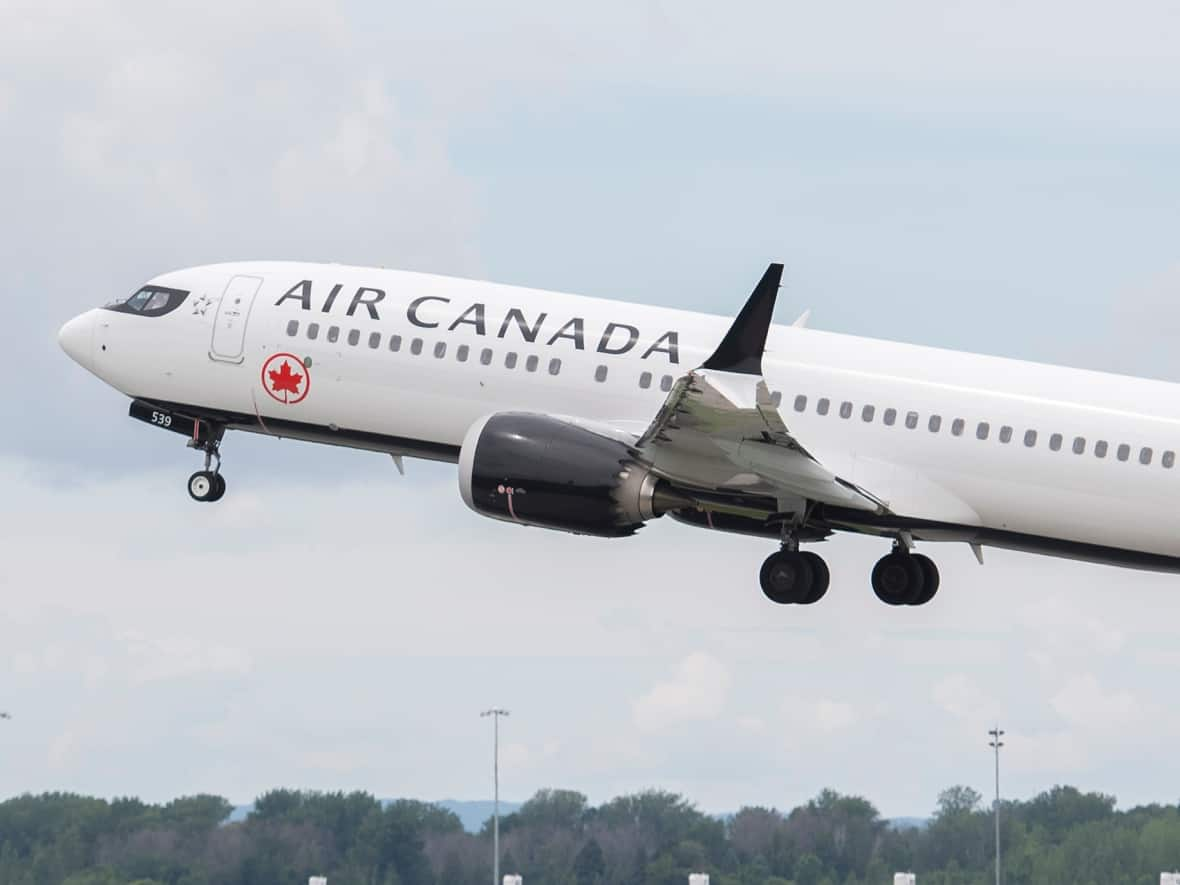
[471,813]
[907,823]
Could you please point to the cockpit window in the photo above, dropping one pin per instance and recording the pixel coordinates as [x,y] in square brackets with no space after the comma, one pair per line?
[151,301]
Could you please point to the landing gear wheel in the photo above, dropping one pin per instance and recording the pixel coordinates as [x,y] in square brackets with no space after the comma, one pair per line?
[898,578]
[205,486]
[821,577]
[219,489]
[787,577]
[930,579]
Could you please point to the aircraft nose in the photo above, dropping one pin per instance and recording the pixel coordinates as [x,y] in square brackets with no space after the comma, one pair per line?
[77,339]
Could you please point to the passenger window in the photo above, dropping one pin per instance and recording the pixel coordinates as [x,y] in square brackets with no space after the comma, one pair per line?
[554,366]
[935,423]
[957,426]
[600,373]
[776,398]
[395,343]
[354,335]
[1030,438]
[1100,449]
[292,328]
[440,349]
[867,413]
[666,384]
[889,417]
[1145,455]
[374,340]
[1005,434]
[1079,445]
[846,409]
[1055,442]
[800,403]
[530,363]
[510,360]
[911,420]
[982,430]
[645,380]
[1124,452]
[416,346]
[1168,460]
[461,353]
[821,407]
[485,357]
[313,331]
[333,334]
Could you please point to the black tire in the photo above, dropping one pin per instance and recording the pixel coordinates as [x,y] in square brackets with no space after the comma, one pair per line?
[786,577]
[897,579]
[930,579]
[821,577]
[219,489]
[202,486]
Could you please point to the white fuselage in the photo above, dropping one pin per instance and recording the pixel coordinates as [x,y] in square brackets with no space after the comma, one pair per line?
[463,352]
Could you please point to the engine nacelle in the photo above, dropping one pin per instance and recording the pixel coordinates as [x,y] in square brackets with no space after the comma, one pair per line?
[540,470]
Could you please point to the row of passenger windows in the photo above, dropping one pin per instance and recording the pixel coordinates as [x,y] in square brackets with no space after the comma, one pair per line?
[462,352]
[983,430]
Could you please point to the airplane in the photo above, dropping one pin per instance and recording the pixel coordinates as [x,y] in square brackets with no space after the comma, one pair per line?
[595,416]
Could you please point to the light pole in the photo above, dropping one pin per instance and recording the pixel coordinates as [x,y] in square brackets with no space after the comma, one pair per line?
[995,744]
[495,713]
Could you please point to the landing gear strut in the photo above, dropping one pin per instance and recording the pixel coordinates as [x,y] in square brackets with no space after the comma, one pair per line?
[208,485]
[904,578]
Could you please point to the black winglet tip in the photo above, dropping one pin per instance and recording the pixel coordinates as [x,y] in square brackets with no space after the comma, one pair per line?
[741,349]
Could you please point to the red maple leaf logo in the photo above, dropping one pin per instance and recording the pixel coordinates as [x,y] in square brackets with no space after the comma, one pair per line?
[284,380]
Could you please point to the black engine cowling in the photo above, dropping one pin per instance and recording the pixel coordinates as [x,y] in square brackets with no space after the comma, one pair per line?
[540,470]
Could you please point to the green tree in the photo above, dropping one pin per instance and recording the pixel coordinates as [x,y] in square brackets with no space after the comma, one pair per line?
[590,864]
[809,870]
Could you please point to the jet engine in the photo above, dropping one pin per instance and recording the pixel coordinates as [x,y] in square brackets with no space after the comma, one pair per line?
[544,471]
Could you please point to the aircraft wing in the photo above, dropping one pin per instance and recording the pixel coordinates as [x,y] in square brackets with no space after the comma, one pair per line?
[719,429]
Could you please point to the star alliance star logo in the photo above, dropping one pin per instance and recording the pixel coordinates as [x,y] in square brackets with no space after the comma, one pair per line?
[202,304]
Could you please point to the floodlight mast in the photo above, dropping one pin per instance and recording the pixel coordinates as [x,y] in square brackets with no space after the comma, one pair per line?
[495,713]
[995,743]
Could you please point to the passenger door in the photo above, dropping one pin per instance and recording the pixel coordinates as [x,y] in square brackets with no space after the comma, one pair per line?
[229,326]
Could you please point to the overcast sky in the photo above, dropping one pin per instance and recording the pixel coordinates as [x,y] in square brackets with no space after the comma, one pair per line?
[993,177]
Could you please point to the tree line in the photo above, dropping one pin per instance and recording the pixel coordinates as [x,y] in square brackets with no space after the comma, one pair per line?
[558,838]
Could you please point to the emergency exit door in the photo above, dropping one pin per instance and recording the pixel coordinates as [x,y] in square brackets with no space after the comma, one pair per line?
[229,326]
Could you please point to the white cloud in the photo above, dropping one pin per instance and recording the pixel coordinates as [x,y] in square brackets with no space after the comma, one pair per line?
[697,692]
[960,696]
[1085,704]
[173,657]
[833,716]
[806,720]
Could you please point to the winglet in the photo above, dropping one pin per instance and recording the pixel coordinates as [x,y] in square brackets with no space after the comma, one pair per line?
[741,348]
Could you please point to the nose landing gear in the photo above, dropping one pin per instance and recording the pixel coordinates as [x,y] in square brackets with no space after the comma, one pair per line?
[208,485]
[205,485]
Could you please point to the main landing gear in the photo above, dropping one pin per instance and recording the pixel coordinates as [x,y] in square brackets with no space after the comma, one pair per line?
[905,578]
[208,485]
[792,576]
